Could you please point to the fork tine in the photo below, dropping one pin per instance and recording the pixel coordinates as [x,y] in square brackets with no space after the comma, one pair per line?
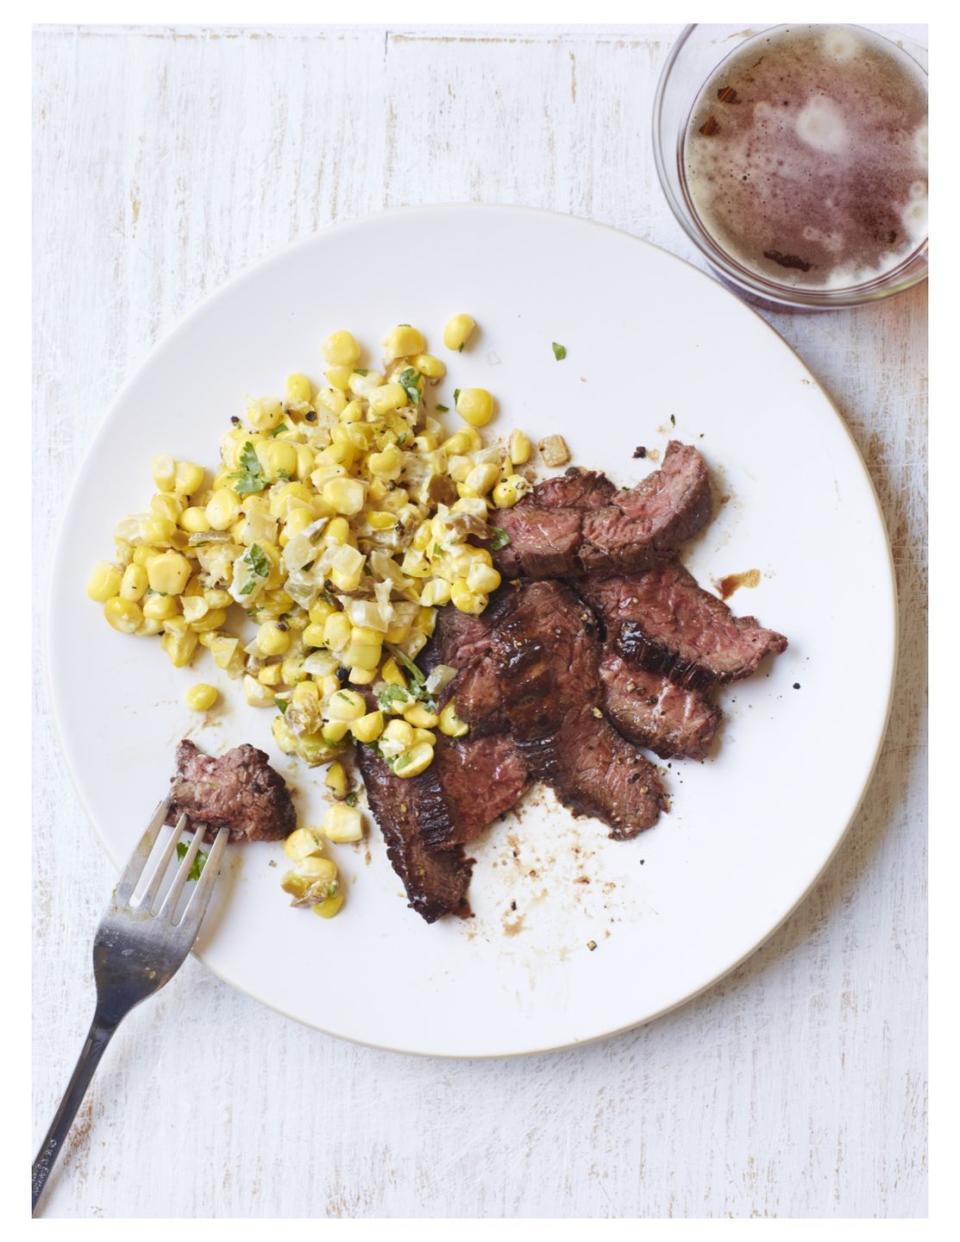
[150,893]
[189,925]
[169,907]
[138,860]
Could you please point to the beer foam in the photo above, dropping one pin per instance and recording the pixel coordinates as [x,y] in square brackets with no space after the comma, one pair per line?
[820,125]
[805,156]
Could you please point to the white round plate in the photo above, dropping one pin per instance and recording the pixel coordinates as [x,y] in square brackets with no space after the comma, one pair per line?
[574,936]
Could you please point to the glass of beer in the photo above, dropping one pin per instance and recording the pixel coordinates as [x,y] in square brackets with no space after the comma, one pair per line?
[795,158]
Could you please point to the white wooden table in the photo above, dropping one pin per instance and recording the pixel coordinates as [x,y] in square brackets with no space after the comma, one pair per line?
[168,160]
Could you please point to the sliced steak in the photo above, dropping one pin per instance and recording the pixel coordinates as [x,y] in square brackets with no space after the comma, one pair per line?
[482,778]
[239,790]
[538,677]
[578,524]
[408,811]
[574,489]
[662,620]
[653,711]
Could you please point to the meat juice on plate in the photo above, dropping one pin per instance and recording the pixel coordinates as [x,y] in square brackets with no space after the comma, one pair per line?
[805,157]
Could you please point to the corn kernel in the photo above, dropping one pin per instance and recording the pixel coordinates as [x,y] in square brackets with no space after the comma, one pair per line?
[299,389]
[104,582]
[387,464]
[346,705]
[520,448]
[421,717]
[379,519]
[189,478]
[352,413]
[457,331]
[201,697]
[167,505]
[335,731]
[341,349]
[273,639]
[159,607]
[387,397]
[179,647]
[414,761]
[481,478]
[264,413]
[338,377]
[302,843]
[475,406]
[391,673]
[278,459]
[134,583]
[315,879]
[164,471]
[342,823]
[429,366]
[330,906]
[123,614]
[161,532]
[332,399]
[194,520]
[223,508]
[424,736]
[336,780]
[344,495]
[403,342]
[461,442]
[482,578]
[337,631]
[362,676]
[450,722]
[270,675]
[168,573]
[466,600]
[399,733]
[368,728]
[436,593]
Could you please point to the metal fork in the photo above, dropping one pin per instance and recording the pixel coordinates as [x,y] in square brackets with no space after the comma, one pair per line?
[135,952]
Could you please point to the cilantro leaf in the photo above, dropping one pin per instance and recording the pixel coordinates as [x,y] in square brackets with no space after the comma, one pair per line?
[391,694]
[408,379]
[443,409]
[279,427]
[351,798]
[456,394]
[249,478]
[559,351]
[282,704]
[500,538]
[196,870]
[256,560]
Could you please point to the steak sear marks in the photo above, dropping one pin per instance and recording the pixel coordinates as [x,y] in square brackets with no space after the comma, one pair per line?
[662,620]
[653,711]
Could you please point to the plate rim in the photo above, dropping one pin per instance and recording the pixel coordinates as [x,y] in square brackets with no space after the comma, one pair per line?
[182,326]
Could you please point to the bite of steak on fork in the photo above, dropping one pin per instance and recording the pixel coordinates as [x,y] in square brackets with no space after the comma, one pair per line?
[238,790]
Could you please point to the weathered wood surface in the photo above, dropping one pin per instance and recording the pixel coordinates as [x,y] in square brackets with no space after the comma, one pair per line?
[165,162]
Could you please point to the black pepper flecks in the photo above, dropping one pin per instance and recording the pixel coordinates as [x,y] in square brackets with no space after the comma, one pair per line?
[796,685]
[640,451]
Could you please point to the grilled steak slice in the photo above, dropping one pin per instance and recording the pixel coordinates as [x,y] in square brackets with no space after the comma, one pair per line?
[238,790]
[407,811]
[575,525]
[482,778]
[596,772]
[653,711]
[575,489]
[662,620]
[538,676]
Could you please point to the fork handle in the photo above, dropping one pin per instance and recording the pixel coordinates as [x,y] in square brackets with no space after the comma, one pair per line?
[94,1047]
